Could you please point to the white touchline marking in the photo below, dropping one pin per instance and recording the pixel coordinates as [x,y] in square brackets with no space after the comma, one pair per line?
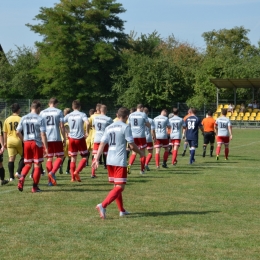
[243,145]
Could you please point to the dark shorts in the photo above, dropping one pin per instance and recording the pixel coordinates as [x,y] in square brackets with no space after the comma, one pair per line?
[209,137]
[193,143]
[1,158]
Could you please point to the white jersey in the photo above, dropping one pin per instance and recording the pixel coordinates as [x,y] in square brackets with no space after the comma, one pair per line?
[148,135]
[137,122]
[76,121]
[176,127]
[100,123]
[161,122]
[116,135]
[223,123]
[52,117]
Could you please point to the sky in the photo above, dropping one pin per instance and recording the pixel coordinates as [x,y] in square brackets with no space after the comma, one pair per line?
[186,20]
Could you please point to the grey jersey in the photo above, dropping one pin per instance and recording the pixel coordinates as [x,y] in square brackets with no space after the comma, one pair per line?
[137,122]
[116,135]
[223,123]
[176,127]
[53,117]
[161,122]
[76,121]
[32,125]
[100,123]
[148,135]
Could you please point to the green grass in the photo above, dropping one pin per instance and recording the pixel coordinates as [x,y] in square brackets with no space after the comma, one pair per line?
[209,210]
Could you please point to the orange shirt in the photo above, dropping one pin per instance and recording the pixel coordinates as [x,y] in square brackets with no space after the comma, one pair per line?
[188,115]
[208,124]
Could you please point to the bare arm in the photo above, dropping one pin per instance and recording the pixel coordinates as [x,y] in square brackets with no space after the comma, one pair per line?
[5,140]
[62,129]
[134,147]
[99,152]
[2,144]
[230,132]
[44,140]
[87,128]
[153,134]
[20,135]
[148,124]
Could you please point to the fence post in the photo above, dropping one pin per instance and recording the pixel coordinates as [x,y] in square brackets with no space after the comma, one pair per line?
[5,109]
[29,106]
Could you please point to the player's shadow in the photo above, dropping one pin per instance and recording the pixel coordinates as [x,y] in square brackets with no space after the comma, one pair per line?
[170,213]
[217,162]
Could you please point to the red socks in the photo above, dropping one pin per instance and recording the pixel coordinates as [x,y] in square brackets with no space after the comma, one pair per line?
[165,156]
[226,152]
[72,169]
[112,195]
[119,202]
[56,165]
[148,158]
[49,166]
[26,169]
[36,175]
[218,150]
[174,156]
[132,159]
[157,159]
[81,165]
[142,160]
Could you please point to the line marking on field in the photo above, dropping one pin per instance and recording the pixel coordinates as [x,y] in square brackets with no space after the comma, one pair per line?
[244,145]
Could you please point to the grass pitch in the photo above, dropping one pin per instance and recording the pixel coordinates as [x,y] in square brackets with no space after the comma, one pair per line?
[209,210]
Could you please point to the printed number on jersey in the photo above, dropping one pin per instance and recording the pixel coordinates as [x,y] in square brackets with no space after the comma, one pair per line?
[191,125]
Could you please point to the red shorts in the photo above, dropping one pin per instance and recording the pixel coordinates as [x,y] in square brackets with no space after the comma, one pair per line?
[223,139]
[161,143]
[117,174]
[140,142]
[77,145]
[176,142]
[55,149]
[32,152]
[95,148]
[149,146]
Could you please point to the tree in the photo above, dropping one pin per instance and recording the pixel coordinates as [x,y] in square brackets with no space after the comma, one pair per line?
[80,48]
[17,79]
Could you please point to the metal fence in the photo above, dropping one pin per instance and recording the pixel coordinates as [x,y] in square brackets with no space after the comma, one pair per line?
[5,111]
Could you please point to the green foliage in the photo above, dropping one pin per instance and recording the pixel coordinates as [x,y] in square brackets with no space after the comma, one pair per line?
[79,51]
[17,79]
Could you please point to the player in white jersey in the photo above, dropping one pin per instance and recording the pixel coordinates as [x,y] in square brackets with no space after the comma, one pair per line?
[223,130]
[53,118]
[35,141]
[176,133]
[138,120]
[116,135]
[77,141]
[161,122]
[150,137]
[100,122]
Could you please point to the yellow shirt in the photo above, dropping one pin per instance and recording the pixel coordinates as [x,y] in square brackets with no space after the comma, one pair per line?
[90,120]
[10,125]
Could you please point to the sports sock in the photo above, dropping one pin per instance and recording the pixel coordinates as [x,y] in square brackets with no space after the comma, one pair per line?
[11,169]
[174,156]
[165,156]
[119,202]
[157,159]
[49,166]
[142,160]
[132,159]
[112,195]
[105,159]
[170,148]
[211,150]
[185,146]
[20,165]
[218,150]
[148,158]
[204,147]
[36,175]
[68,166]
[127,153]
[226,152]
[72,169]
[192,154]
[2,173]
[81,165]
[26,169]
[56,165]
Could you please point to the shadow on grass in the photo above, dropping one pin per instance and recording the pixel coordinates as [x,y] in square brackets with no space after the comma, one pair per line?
[217,162]
[170,213]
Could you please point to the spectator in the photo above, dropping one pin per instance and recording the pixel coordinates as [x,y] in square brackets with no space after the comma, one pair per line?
[255,104]
[230,108]
[250,105]
[242,108]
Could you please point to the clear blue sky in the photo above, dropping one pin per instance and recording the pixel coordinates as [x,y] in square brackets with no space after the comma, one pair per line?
[185,19]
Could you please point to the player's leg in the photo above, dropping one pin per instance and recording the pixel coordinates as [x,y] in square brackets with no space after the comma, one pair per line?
[2,171]
[149,155]
[94,153]
[11,165]
[212,141]
[36,177]
[165,155]
[206,142]
[21,162]
[218,149]
[185,146]
[226,148]
[176,145]
[157,156]
[82,148]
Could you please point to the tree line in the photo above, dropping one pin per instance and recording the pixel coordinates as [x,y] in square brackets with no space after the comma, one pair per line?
[85,54]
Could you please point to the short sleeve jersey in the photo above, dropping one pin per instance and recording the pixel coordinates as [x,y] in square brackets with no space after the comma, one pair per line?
[137,122]
[100,123]
[161,122]
[116,135]
[192,124]
[208,124]
[223,123]
[53,117]
[10,126]
[76,121]
[176,127]
[148,135]
[32,125]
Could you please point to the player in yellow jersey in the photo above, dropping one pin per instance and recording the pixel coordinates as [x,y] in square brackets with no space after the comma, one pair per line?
[65,148]
[11,141]
[89,138]
[2,170]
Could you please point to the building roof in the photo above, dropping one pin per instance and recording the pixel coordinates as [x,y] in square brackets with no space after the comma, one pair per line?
[236,83]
